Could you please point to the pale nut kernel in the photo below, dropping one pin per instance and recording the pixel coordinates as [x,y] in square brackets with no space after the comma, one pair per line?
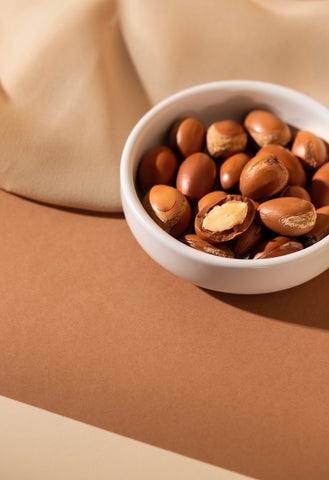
[225,219]
[226,137]
[310,148]
[267,128]
[169,208]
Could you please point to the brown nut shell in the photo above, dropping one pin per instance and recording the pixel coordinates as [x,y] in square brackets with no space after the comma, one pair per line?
[277,247]
[249,239]
[230,170]
[196,176]
[225,220]
[310,148]
[263,176]
[267,128]
[209,198]
[296,191]
[226,137]
[319,188]
[158,166]
[321,227]
[187,135]
[169,208]
[196,242]
[288,216]
[297,174]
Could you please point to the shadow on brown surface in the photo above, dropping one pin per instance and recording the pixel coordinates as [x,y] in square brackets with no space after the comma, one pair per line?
[305,305]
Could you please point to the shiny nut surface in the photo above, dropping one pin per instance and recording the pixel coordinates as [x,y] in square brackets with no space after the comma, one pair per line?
[225,220]
[209,198]
[319,187]
[297,174]
[159,165]
[226,137]
[310,148]
[196,176]
[188,136]
[266,128]
[230,170]
[263,176]
[296,191]
[169,208]
[249,239]
[288,216]
[277,247]
[220,250]
[321,227]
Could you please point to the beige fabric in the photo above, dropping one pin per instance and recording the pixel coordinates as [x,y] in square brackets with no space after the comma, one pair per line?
[75,76]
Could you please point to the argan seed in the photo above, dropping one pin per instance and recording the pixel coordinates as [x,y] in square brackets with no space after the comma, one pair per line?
[288,216]
[263,176]
[209,198]
[296,191]
[159,165]
[319,188]
[169,208]
[277,247]
[196,176]
[321,227]
[230,170]
[249,239]
[225,220]
[297,174]
[188,136]
[219,250]
[225,138]
[266,128]
[310,148]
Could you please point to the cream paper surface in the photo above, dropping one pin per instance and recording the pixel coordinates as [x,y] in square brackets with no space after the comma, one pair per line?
[76,75]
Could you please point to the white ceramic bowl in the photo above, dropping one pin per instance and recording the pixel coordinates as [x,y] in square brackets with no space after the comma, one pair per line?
[211,102]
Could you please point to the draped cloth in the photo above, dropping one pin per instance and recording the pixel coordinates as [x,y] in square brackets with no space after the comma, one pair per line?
[76,75]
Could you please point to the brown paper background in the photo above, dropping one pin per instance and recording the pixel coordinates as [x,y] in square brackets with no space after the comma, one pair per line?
[93,329]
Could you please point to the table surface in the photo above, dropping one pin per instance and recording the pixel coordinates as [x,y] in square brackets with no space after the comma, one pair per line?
[92,329]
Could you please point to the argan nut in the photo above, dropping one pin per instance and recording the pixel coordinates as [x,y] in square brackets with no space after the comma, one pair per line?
[288,216]
[230,170]
[225,220]
[169,208]
[277,247]
[225,138]
[263,176]
[196,176]
[321,227]
[297,174]
[209,198]
[196,242]
[310,148]
[296,191]
[265,128]
[188,136]
[158,165]
[249,239]
[319,188]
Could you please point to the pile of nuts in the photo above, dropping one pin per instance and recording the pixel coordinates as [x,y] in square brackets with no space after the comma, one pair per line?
[253,190]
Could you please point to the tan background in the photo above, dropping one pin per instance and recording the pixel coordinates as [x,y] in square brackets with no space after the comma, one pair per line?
[93,329]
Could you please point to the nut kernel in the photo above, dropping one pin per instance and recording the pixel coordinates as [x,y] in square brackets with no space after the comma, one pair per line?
[224,217]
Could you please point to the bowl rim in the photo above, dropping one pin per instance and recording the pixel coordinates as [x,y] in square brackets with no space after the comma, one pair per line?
[130,196]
